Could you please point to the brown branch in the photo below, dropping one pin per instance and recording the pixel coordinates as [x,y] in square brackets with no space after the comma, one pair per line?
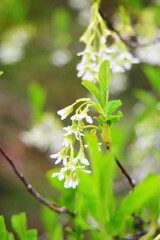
[125,173]
[133,43]
[32,190]
[123,170]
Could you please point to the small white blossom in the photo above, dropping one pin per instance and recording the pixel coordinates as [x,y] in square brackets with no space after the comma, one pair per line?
[69,171]
[73,130]
[103,39]
[84,161]
[87,171]
[65,112]
[61,157]
[88,68]
[81,116]
[67,141]
[60,176]
[70,183]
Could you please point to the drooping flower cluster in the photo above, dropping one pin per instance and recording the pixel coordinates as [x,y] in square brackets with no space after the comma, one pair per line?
[98,48]
[73,162]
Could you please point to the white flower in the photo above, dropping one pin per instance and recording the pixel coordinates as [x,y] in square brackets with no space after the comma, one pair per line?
[88,67]
[87,171]
[70,183]
[81,158]
[73,130]
[84,161]
[67,141]
[82,115]
[69,172]
[60,176]
[103,40]
[88,75]
[61,157]
[65,112]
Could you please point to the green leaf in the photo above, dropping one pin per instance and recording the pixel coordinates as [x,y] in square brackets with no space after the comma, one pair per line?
[49,219]
[153,76]
[19,225]
[104,82]
[145,97]
[3,231]
[31,235]
[1,72]
[98,108]
[93,89]
[113,106]
[37,98]
[114,118]
[99,200]
[10,236]
[137,199]
[57,233]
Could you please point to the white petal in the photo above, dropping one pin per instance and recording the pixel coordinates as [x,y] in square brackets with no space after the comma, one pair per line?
[58,160]
[75,160]
[84,161]
[103,40]
[60,177]
[67,128]
[89,119]
[65,160]
[55,174]
[69,184]
[54,155]
[87,171]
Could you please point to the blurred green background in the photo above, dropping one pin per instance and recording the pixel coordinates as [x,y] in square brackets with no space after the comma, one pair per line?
[39,42]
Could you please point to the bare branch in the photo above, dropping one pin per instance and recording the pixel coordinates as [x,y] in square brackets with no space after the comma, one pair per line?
[32,190]
[133,43]
[125,173]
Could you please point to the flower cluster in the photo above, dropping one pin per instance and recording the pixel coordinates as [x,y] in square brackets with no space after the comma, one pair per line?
[99,48]
[73,162]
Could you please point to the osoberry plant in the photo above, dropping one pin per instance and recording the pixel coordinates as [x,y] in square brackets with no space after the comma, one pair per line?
[105,169]
[73,162]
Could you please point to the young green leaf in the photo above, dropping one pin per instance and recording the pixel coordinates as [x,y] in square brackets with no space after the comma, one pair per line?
[153,76]
[146,97]
[113,106]
[19,225]
[31,235]
[3,231]
[1,72]
[104,82]
[137,199]
[114,118]
[37,98]
[93,89]
[98,108]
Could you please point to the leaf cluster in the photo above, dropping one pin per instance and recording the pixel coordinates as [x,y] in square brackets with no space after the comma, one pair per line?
[19,225]
[104,107]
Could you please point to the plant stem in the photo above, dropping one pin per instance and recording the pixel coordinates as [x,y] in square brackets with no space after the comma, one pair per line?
[32,190]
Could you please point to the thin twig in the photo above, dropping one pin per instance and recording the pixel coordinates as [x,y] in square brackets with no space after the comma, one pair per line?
[125,173]
[130,43]
[123,170]
[32,190]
